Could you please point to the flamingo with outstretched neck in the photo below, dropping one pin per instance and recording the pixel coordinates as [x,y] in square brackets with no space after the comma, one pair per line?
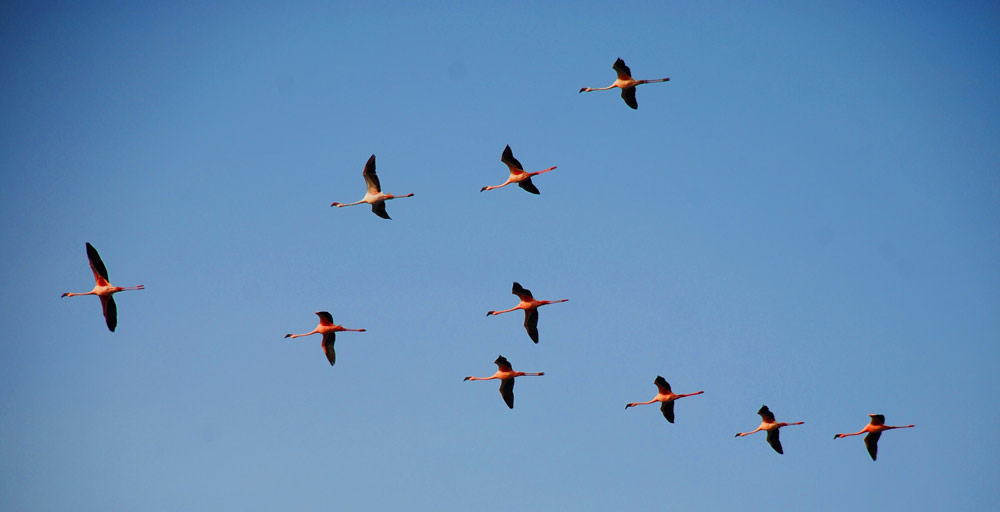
[530,307]
[771,427]
[874,429]
[665,396]
[506,374]
[517,173]
[374,195]
[329,331]
[103,288]
[626,83]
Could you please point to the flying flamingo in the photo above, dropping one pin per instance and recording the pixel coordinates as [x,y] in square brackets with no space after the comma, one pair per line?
[103,288]
[626,83]
[530,307]
[771,427]
[874,429]
[374,196]
[506,375]
[329,331]
[517,174]
[666,398]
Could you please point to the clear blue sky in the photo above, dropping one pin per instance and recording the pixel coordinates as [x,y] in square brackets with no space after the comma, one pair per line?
[805,216]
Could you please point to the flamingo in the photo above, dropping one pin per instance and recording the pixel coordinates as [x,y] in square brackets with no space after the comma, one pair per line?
[517,174]
[374,196]
[771,427]
[666,398]
[103,288]
[530,307]
[506,375]
[874,428]
[329,331]
[626,83]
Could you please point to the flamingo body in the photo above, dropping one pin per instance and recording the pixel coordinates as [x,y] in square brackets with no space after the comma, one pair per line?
[530,306]
[874,430]
[374,195]
[626,83]
[329,331]
[665,396]
[769,425]
[103,288]
[517,173]
[506,375]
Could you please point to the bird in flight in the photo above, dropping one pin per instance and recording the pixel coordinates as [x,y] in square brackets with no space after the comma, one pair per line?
[530,307]
[626,83]
[374,195]
[103,288]
[517,174]
[329,331]
[874,429]
[666,398]
[506,374]
[771,427]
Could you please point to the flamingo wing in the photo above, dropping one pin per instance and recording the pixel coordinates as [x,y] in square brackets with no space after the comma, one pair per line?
[766,413]
[624,73]
[507,391]
[773,440]
[508,158]
[628,94]
[110,311]
[378,208]
[503,364]
[529,186]
[522,293]
[325,318]
[531,323]
[667,408]
[97,266]
[328,341]
[370,177]
[662,385]
[871,442]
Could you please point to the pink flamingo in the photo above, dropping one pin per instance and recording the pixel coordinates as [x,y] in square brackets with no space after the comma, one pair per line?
[874,428]
[530,307]
[517,174]
[666,398]
[771,427]
[626,83]
[329,331]
[374,195]
[103,288]
[506,374]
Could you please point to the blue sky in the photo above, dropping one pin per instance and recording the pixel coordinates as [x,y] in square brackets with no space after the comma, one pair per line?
[805,216]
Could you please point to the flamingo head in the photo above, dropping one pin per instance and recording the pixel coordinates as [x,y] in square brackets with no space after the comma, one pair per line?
[334,204]
[488,313]
[484,188]
[583,89]
[465,379]
[65,294]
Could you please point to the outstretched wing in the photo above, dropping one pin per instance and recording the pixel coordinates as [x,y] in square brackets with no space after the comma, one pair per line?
[521,292]
[503,364]
[531,323]
[370,177]
[507,391]
[624,73]
[97,266]
[662,385]
[628,94]
[508,158]
[766,413]
[328,341]
[871,442]
[529,186]
[667,408]
[773,440]
[378,208]
[110,311]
